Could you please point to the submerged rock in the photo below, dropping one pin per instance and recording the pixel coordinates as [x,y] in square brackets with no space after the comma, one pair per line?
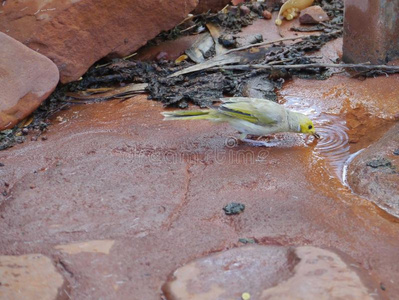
[374,173]
[76,34]
[27,79]
[267,272]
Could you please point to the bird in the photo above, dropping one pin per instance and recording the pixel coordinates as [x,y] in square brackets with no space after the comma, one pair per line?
[250,116]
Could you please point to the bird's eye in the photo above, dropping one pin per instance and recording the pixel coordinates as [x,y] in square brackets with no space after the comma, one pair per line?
[310,126]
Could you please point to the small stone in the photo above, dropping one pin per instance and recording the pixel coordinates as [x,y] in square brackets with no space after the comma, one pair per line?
[6,184]
[32,186]
[33,138]
[25,131]
[234,208]
[244,10]
[313,15]
[382,286]
[162,56]
[44,138]
[267,14]
[2,165]
[396,152]
[4,193]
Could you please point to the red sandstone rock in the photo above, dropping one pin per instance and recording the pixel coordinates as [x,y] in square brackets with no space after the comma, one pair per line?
[75,34]
[267,273]
[26,79]
[313,15]
[374,173]
[212,5]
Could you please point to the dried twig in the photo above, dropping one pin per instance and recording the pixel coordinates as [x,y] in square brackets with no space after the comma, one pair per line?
[310,66]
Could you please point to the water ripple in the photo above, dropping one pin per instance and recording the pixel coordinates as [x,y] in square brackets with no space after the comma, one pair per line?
[334,143]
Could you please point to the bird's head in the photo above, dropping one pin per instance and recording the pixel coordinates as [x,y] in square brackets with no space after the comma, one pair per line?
[307,127]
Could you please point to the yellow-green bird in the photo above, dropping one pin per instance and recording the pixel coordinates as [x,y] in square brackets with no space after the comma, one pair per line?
[250,116]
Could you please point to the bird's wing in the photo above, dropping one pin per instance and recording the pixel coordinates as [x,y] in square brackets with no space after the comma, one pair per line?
[257,111]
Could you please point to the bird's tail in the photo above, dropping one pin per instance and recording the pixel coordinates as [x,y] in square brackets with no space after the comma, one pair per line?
[188,114]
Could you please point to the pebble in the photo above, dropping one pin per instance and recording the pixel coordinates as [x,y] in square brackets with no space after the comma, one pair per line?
[267,14]
[162,56]
[1,165]
[396,152]
[234,208]
[244,10]
[44,138]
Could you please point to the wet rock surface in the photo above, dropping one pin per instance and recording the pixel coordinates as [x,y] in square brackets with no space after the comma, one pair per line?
[26,79]
[267,272]
[68,31]
[119,199]
[374,173]
[129,186]
[30,276]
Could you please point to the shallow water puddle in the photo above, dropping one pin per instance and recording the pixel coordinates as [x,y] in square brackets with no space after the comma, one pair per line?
[333,146]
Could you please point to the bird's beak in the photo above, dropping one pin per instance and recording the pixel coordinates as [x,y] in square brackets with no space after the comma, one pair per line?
[316,135]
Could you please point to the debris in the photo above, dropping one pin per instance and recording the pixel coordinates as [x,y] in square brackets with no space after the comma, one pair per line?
[396,152]
[234,208]
[180,59]
[247,241]
[216,33]
[391,69]
[313,15]
[91,95]
[201,49]
[2,165]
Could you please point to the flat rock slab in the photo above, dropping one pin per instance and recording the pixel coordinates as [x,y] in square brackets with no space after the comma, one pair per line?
[30,276]
[76,34]
[374,173]
[26,79]
[267,272]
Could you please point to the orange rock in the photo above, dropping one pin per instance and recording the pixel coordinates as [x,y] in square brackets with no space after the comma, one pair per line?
[26,79]
[313,15]
[267,14]
[75,34]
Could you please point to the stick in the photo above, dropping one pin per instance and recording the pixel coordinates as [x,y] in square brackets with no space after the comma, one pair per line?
[308,66]
[277,41]
[267,43]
